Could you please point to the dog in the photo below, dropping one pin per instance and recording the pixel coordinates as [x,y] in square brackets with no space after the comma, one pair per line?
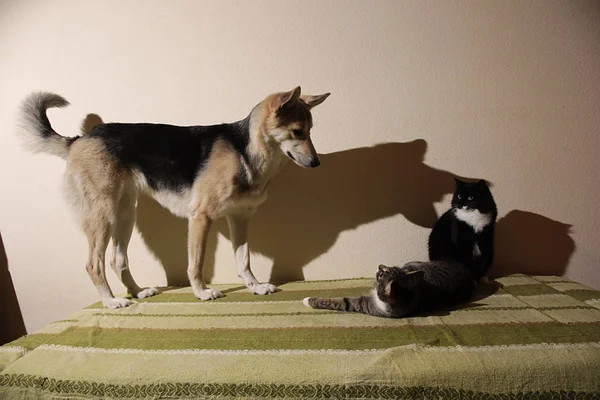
[197,172]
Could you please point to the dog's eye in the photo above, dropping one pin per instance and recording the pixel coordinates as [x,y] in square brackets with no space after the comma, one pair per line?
[298,133]
[471,197]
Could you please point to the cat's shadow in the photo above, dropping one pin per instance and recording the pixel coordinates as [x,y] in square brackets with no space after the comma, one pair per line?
[480,293]
[529,243]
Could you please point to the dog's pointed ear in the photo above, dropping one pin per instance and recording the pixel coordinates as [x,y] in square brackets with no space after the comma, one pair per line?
[313,101]
[289,98]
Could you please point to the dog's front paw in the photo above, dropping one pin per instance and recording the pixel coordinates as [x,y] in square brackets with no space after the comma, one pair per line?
[209,294]
[264,288]
[146,292]
[116,302]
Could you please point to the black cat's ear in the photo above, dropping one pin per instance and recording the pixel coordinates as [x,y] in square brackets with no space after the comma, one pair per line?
[414,277]
[482,182]
[458,182]
[383,268]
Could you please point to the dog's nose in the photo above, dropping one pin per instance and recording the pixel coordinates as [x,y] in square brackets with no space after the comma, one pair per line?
[315,162]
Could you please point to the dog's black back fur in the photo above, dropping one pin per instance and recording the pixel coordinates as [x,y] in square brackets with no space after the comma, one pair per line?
[169,156]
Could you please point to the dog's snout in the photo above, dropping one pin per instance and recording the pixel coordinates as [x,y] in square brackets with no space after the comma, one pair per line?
[315,163]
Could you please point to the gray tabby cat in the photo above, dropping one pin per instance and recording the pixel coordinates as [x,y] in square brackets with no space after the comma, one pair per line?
[402,291]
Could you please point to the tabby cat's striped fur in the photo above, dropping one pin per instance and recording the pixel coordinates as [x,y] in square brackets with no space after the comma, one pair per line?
[401,291]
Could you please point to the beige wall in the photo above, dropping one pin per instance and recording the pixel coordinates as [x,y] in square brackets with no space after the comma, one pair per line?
[421,91]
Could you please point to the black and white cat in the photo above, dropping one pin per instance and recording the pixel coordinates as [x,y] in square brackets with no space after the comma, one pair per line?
[398,292]
[465,233]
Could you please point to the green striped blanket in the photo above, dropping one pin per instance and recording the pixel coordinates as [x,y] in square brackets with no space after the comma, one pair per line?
[538,337]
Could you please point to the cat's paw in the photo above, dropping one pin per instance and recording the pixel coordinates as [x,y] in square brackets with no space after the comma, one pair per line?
[209,294]
[264,288]
[306,302]
[116,302]
[146,292]
[487,281]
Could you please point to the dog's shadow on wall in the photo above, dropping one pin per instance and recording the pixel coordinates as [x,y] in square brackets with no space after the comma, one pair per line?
[307,209]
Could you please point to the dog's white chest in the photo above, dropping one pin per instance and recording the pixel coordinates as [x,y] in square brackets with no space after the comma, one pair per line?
[473,218]
[244,203]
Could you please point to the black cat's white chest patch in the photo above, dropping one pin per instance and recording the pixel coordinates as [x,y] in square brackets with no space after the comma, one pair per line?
[473,218]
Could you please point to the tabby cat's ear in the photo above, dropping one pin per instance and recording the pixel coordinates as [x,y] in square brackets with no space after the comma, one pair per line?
[390,288]
[383,268]
[413,278]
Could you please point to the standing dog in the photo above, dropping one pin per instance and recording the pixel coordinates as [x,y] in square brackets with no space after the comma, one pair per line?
[197,172]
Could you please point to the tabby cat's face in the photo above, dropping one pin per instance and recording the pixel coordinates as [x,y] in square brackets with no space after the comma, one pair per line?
[473,196]
[395,286]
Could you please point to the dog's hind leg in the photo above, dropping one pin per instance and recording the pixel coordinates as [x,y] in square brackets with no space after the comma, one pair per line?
[120,240]
[93,186]
[98,227]
[199,225]
[238,230]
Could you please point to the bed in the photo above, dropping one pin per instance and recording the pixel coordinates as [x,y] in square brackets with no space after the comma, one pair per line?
[537,337]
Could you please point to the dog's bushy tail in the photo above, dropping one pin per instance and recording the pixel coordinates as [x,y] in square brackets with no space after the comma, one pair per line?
[35,129]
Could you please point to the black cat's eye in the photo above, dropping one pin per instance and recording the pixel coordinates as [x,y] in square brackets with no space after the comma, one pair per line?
[459,197]
[471,197]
